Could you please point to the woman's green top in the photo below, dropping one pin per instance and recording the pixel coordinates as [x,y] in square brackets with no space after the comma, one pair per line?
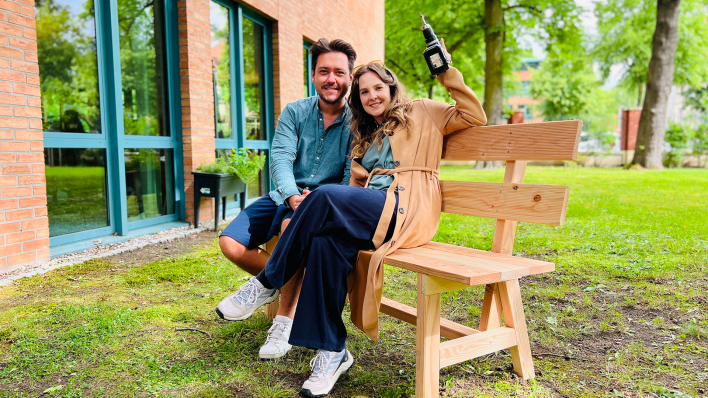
[375,159]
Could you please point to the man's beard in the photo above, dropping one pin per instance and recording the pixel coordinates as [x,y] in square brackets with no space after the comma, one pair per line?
[341,95]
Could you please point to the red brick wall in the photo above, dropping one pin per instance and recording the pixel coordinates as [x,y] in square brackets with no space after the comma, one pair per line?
[24,228]
[630,127]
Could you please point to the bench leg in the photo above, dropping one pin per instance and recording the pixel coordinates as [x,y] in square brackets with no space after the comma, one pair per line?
[427,354]
[271,310]
[514,317]
[491,309]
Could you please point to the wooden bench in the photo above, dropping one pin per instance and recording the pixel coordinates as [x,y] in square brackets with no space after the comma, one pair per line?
[443,268]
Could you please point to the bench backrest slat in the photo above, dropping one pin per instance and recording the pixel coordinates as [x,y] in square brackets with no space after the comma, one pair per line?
[542,204]
[533,141]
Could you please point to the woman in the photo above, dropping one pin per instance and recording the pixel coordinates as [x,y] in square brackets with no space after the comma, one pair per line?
[393,201]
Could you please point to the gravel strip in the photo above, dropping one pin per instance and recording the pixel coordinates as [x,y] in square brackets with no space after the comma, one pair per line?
[99,251]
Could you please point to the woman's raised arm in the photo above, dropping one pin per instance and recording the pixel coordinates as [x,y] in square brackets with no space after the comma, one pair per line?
[467,111]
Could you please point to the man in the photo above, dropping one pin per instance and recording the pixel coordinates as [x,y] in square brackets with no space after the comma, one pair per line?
[309,149]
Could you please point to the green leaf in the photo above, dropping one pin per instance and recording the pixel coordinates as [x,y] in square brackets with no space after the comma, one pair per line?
[53,389]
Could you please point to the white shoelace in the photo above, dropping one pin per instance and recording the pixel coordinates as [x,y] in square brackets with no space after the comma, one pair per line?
[248,294]
[275,333]
[320,362]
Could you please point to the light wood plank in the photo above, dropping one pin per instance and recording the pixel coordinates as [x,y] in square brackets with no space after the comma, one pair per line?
[513,310]
[270,245]
[534,266]
[541,204]
[442,268]
[271,310]
[506,229]
[469,347]
[507,270]
[448,329]
[435,285]
[491,314]
[427,353]
[530,141]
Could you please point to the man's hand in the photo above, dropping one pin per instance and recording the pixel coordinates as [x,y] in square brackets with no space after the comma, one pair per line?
[295,200]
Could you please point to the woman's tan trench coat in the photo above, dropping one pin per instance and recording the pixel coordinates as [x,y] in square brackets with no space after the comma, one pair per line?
[417,159]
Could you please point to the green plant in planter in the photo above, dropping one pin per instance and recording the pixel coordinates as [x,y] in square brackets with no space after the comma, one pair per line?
[219,166]
[244,163]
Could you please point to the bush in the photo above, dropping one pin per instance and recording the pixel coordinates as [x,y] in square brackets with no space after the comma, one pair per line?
[678,135]
[700,143]
[246,164]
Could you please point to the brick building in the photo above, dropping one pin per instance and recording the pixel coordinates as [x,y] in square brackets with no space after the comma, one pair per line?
[106,107]
[520,100]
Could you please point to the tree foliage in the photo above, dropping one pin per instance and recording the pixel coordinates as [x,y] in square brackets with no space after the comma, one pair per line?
[626,28]
[564,86]
[460,23]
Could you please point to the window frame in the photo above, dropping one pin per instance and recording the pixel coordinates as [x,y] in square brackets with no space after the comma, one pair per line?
[238,99]
[310,84]
[112,137]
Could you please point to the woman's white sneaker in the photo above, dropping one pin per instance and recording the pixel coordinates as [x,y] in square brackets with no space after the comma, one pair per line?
[327,366]
[276,344]
[241,304]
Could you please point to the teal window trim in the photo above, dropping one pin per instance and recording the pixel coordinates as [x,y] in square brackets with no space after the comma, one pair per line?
[175,104]
[112,137]
[238,102]
[310,85]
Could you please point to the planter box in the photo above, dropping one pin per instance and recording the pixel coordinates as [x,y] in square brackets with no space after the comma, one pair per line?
[217,186]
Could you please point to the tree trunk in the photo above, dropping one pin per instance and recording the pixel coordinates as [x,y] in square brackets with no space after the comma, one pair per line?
[493,95]
[660,77]
[431,90]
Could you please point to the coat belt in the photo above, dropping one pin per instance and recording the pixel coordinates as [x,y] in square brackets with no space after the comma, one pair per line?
[390,204]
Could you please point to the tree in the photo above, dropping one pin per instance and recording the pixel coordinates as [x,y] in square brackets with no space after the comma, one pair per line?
[697,98]
[465,25]
[625,29]
[660,76]
[564,85]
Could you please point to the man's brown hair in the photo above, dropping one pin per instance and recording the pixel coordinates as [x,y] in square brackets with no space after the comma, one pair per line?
[323,46]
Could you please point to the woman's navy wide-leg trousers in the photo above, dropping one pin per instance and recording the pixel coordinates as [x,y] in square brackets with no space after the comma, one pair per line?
[328,229]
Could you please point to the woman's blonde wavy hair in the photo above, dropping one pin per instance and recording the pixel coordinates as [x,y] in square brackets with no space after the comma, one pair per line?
[364,129]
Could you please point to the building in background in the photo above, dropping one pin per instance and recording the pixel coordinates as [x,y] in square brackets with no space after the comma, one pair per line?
[520,100]
[106,107]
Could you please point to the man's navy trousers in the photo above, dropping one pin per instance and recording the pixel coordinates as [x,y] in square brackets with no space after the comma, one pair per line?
[325,234]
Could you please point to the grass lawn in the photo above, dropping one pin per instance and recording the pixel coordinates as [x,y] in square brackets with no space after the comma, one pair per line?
[624,315]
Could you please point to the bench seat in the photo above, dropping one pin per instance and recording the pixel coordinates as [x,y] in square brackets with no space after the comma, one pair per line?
[467,266]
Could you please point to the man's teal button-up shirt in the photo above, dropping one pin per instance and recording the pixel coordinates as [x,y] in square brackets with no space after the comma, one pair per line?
[304,155]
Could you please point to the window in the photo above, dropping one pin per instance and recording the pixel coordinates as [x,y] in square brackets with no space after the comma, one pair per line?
[66,45]
[221,67]
[240,49]
[308,85]
[110,147]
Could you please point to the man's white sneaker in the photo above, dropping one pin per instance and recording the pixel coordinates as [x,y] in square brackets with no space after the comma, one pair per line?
[327,366]
[241,304]
[276,344]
